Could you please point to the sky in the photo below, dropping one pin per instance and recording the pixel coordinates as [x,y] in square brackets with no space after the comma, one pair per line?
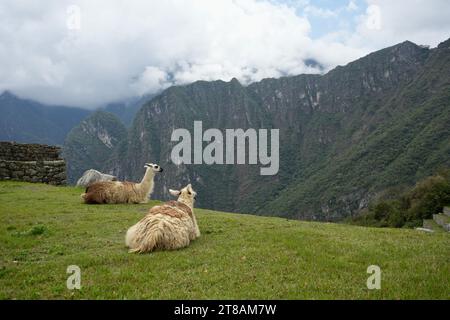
[89,53]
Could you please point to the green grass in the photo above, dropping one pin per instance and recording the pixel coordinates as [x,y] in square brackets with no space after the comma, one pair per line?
[44,229]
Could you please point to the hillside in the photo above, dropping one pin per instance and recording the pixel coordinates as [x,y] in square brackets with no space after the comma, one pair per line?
[345,136]
[28,121]
[44,229]
[90,144]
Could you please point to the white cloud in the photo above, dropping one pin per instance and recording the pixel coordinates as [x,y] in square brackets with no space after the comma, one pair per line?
[117,49]
[151,80]
[311,10]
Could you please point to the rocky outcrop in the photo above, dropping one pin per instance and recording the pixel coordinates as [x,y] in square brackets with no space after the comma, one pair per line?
[32,163]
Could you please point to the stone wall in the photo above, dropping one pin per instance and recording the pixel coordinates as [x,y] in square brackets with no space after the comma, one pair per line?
[32,163]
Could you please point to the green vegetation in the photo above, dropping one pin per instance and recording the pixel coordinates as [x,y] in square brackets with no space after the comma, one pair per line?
[44,229]
[411,207]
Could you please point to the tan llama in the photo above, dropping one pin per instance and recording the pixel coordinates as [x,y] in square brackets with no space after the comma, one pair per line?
[122,192]
[168,226]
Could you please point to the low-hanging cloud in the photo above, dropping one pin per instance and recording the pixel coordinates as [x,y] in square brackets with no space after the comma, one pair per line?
[88,53]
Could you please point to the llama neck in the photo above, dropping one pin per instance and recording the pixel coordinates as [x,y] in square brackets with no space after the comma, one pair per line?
[190,203]
[147,180]
[187,201]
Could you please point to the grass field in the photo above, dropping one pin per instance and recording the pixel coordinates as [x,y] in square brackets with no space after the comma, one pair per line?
[44,229]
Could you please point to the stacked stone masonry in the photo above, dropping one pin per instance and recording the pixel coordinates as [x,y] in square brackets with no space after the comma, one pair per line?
[32,163]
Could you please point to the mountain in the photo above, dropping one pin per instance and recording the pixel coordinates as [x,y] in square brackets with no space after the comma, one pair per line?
[28,121]
[126,110]
[394,133]
[90,144]
[345,136]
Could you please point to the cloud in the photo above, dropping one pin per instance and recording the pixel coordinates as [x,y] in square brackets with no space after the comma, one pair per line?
[311,10]
[113,50]
[151,80]
[88,53]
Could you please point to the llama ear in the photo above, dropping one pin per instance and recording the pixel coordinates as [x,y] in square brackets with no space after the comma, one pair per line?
[175,193]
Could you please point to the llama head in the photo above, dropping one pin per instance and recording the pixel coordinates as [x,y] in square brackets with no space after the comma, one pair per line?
[187,194]
[154,167]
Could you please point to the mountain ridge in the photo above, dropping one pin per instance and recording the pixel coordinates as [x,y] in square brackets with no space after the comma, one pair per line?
[25,120]
[323,119]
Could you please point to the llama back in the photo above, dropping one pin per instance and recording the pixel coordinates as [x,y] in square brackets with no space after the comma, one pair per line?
[172,208]
[168,226]
[111,192]
[97,192]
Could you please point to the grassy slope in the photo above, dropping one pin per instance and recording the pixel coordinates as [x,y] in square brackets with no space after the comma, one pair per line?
[238,256]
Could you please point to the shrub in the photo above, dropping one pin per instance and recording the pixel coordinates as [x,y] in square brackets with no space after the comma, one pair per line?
[426,198]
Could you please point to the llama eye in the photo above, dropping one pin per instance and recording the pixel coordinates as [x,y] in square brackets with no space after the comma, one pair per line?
[156,167]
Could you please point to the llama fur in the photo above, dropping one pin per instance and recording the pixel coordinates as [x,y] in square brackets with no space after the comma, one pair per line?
[90,176]
[169,226]
[122,191]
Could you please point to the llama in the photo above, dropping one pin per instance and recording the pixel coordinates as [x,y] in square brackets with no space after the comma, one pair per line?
[122,192]
[171,225]
[90,176]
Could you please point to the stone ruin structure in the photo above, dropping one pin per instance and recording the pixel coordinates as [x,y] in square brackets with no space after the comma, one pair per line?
[32,163]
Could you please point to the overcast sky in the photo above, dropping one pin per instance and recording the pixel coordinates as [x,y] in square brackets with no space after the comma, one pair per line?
[88,53]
